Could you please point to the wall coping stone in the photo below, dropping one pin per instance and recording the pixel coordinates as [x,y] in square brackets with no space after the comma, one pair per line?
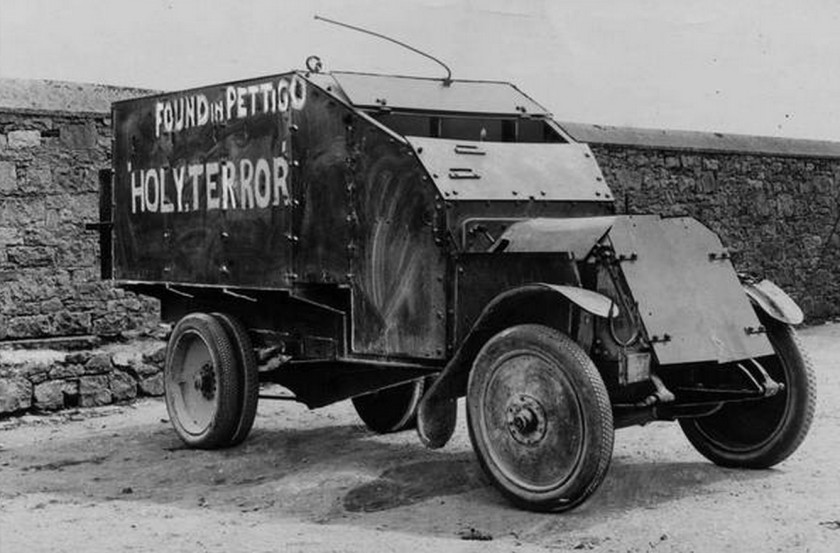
[63,96]
[697,141]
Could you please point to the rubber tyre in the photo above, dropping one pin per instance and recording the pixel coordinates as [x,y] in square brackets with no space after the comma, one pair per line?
[763,433]
[201,382]
[249,382]
[560,455]
[392,409]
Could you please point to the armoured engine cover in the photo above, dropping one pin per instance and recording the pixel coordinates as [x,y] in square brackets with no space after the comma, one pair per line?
[690,300]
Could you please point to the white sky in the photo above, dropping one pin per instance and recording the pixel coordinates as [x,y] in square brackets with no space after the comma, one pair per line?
[747,66]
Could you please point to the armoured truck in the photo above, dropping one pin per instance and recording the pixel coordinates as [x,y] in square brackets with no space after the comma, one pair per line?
[404,242]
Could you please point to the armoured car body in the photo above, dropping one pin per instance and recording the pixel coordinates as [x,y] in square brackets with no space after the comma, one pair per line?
[404,242]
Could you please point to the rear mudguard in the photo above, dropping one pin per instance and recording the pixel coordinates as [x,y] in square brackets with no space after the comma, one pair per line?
[436,413]
[773,301]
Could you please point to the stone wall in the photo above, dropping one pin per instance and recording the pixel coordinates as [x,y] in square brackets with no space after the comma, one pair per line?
[775,203]
[49,267]
[50,380]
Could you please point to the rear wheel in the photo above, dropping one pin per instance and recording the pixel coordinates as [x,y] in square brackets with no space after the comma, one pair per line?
[392,409]
[247,372]
[201,384]
[759,434]
[539,418]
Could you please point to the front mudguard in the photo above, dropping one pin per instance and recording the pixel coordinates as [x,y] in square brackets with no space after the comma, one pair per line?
[436,413]
[773,301]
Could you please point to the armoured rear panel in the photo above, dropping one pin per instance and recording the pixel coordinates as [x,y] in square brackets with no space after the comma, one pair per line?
[202,184]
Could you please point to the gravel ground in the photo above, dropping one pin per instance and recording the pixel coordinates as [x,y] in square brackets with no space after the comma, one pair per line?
[118,479]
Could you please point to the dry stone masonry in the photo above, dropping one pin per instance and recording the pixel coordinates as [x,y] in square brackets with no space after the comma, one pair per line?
[49,380]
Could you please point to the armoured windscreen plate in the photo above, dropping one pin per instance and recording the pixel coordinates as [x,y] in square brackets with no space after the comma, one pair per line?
[414,93]
[465,170]
[684,293]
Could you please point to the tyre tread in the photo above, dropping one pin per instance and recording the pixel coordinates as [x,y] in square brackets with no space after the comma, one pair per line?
[227,412]
[248,375]
[605,433]
[799,423]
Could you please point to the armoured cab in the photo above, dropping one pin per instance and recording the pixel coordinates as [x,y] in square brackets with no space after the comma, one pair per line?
[495,158]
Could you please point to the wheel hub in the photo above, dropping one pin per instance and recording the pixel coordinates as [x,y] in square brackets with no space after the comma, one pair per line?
[205,381]
[526,419]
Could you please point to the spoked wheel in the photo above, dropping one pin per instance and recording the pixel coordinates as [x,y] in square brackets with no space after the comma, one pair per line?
[759,434]
[539,418]
[246,362]
[203,391]
[392,409]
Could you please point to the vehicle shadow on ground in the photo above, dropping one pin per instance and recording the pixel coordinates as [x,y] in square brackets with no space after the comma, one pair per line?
[301,471]
[446,498]
[339,474]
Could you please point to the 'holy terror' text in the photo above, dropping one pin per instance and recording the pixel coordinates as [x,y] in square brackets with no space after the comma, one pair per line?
[244,184]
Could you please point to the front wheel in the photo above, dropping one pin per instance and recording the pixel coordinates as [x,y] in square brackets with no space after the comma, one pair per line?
[760,434]
[539,418]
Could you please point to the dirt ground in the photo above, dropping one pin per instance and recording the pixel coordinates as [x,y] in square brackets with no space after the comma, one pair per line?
[118,479]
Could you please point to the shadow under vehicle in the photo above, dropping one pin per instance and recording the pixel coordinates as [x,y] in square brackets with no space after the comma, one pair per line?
[403,242]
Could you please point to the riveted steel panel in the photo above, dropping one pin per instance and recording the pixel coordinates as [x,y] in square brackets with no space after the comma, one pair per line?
[482,277]
[365,219]
[464,170]
[415,93]
[684,292]
[321,225]
[398,269]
